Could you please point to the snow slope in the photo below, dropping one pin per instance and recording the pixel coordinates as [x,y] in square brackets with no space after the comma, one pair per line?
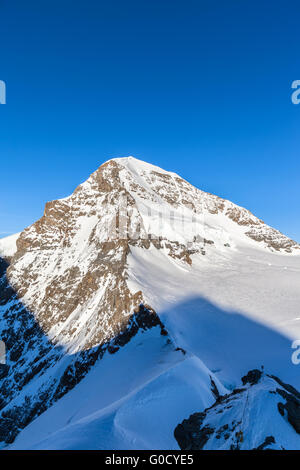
[8,246]
[120,402]
[235,311]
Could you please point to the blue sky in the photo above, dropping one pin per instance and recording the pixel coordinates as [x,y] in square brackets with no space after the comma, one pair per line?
[198,87]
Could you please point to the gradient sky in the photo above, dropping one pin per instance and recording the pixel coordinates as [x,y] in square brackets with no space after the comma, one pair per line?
[201,88]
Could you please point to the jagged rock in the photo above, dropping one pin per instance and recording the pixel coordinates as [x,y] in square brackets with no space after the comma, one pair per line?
[214,389]
[269,440]
[189,433]
[292,407]
[4,368]
[252,377]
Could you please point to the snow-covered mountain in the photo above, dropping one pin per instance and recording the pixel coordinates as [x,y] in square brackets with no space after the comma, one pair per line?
[136,300]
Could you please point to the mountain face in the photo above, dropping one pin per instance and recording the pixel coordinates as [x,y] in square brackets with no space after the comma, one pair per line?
[139,294]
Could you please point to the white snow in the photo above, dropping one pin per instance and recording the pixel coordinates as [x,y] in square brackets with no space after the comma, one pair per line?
[8,245]
[232,310]
[120,402]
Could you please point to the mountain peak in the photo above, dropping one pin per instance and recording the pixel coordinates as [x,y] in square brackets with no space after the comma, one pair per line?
[136,164]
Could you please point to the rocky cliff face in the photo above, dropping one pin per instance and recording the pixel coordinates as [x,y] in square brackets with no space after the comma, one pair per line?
[64,295]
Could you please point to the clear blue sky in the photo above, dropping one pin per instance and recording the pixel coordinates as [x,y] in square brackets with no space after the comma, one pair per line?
[200,87]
